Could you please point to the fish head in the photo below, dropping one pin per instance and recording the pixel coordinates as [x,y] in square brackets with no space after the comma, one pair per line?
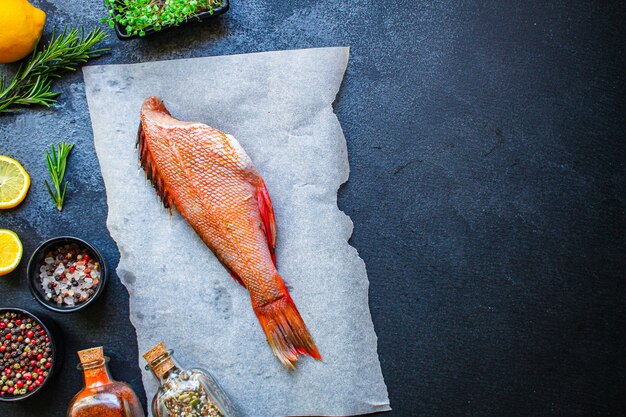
[154,106]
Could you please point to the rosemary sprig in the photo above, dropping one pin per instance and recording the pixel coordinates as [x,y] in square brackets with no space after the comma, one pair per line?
[33,81]
[57,161]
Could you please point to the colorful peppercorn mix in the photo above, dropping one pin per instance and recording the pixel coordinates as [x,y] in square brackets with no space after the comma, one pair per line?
[69,275]
[25,354]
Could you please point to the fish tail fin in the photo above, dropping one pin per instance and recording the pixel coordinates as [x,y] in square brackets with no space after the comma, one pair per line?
[285,330]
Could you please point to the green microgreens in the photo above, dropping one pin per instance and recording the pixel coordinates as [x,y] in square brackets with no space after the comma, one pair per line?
[33,81]
[57,162]
[135,16]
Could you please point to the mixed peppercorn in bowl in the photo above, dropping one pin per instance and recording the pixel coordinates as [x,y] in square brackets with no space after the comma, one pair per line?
[29,353]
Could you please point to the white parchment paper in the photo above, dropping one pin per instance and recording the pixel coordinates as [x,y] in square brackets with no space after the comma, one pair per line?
[279,106]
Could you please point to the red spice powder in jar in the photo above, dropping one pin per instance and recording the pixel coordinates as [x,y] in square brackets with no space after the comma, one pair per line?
[102,396]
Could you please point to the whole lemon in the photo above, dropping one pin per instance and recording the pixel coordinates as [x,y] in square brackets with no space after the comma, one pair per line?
[21,25]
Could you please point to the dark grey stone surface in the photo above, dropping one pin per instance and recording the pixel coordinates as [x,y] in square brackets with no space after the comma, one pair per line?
[486,142]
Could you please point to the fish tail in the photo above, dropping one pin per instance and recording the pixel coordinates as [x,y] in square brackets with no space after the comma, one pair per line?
[285,330]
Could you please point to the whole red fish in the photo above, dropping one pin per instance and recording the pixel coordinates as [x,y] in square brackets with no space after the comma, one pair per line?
[214,185]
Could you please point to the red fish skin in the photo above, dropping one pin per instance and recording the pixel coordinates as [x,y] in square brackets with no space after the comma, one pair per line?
[207,176]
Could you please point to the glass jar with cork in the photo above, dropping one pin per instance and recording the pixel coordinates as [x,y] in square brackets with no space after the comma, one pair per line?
[102,396]
[190,393]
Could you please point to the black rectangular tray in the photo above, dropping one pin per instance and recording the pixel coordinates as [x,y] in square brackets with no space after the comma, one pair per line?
[121,32]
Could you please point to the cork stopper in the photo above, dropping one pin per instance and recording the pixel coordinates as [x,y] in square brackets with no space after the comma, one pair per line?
[91,355]
[164,365]
[155,352]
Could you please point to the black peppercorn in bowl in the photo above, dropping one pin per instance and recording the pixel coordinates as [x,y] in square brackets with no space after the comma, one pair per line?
[66,274]
[31,353]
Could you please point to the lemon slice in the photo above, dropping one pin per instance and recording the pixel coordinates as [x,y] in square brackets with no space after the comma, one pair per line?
[10,251]
[14,182]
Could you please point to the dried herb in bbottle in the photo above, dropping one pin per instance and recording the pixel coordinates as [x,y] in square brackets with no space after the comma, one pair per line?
[189,393]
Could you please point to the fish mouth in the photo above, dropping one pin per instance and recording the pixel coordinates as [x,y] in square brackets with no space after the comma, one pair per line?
[154,109]
[154,104]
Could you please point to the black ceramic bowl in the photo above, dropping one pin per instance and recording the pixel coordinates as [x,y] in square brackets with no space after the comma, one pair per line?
[198,17]
[34,265]
[56,343]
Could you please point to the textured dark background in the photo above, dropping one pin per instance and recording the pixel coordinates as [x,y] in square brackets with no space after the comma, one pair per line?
[487,148]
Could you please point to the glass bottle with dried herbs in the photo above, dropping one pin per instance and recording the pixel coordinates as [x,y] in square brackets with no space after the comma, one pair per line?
[189,393]
[102,396]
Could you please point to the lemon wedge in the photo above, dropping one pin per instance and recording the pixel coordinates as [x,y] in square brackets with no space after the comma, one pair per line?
[10,251]
[14,182]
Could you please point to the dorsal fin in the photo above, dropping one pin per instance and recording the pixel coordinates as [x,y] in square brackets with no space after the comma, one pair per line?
[152,174]
[267,216]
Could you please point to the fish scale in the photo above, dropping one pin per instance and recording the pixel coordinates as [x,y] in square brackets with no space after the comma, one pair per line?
[208,177]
